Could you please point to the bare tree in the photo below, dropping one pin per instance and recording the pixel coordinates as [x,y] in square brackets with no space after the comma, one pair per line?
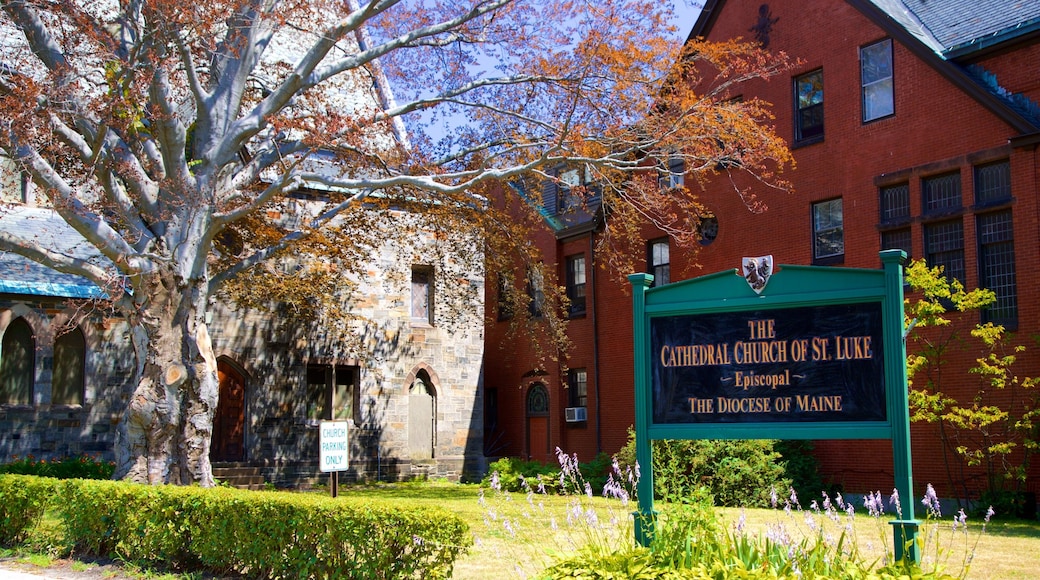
[156,129]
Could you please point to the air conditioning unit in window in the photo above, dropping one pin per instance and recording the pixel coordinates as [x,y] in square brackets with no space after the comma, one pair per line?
[575,414]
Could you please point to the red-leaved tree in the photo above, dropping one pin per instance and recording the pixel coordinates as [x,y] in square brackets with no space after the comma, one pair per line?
[156,129]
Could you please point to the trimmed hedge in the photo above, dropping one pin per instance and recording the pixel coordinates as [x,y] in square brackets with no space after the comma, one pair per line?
[259,534]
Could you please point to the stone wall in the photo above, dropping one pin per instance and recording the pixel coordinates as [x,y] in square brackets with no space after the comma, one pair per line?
[272,353]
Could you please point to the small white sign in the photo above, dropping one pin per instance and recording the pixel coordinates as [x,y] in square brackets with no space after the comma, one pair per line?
[333,448]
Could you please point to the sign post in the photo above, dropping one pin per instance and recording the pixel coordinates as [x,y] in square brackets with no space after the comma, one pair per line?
[804,353]
[333,451]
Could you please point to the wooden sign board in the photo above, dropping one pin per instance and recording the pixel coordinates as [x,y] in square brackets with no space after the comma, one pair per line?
[803,352]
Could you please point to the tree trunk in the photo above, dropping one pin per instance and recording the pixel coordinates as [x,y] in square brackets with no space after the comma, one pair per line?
[164,436]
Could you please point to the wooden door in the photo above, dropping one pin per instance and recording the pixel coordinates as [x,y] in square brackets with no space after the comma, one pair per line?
[229,422]
[538,438]
[538,422]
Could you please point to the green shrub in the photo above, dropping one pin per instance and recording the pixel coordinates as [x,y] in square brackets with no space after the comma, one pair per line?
[24,499]
[509,472]
[81,467]
[735,472]
[261,535]
[800,467]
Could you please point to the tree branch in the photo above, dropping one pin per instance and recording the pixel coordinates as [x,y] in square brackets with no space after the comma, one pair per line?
[56,260]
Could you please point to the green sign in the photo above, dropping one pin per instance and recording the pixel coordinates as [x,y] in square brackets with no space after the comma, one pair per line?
[802,364]
[805,352]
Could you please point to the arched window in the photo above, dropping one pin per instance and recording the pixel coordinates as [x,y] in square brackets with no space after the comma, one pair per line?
[17,362]
[537,400]
[70,355]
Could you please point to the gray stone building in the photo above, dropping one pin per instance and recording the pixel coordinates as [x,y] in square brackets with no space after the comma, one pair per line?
[408,382]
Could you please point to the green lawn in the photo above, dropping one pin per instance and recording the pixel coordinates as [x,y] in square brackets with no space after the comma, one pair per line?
[1007,550]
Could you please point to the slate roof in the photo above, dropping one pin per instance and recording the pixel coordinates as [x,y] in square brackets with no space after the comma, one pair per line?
[19,275]
[964,23]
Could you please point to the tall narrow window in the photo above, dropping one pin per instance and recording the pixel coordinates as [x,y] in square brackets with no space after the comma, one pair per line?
[578,387]
[576,284]
[944,246]
[505,304]
[997,267]
[567,198]
[658,262]
[17,362]
[941,194]
[345,392]
[995,233]
[828,231]
[875,63]
[69,359]
[895,203]
[898,239]
[319,404]
[422,294]
[536,292]
[672,176]
[809,107]
[895,218]
[993,183]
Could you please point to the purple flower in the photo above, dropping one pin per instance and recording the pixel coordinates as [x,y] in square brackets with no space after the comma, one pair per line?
[989,513]
[772,497]
[931,502]
[961,519]
[875,507]
[893,500]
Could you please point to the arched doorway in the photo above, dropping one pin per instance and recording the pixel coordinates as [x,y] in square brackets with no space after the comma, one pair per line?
[421,417]
[229,421]
[537,422]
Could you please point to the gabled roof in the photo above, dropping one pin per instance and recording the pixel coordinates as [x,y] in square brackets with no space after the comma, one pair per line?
[967,25]
[19,275]
[946,34]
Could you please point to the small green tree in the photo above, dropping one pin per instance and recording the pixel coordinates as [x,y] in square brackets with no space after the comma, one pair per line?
[995,427]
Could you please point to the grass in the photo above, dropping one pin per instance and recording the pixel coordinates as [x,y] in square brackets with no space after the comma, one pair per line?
[1008,550]
[530,542]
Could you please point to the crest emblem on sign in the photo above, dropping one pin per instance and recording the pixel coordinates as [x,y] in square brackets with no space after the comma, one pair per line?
[757,272]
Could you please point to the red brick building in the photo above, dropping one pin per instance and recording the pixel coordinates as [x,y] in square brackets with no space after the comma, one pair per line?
[914,125]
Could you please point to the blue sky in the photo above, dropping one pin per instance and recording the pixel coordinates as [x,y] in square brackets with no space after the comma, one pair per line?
[686,12]
[685,15]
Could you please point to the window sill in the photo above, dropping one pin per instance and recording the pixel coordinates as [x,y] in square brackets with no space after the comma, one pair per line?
[895,224]
[798,143]
[829,260]
[942,215]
